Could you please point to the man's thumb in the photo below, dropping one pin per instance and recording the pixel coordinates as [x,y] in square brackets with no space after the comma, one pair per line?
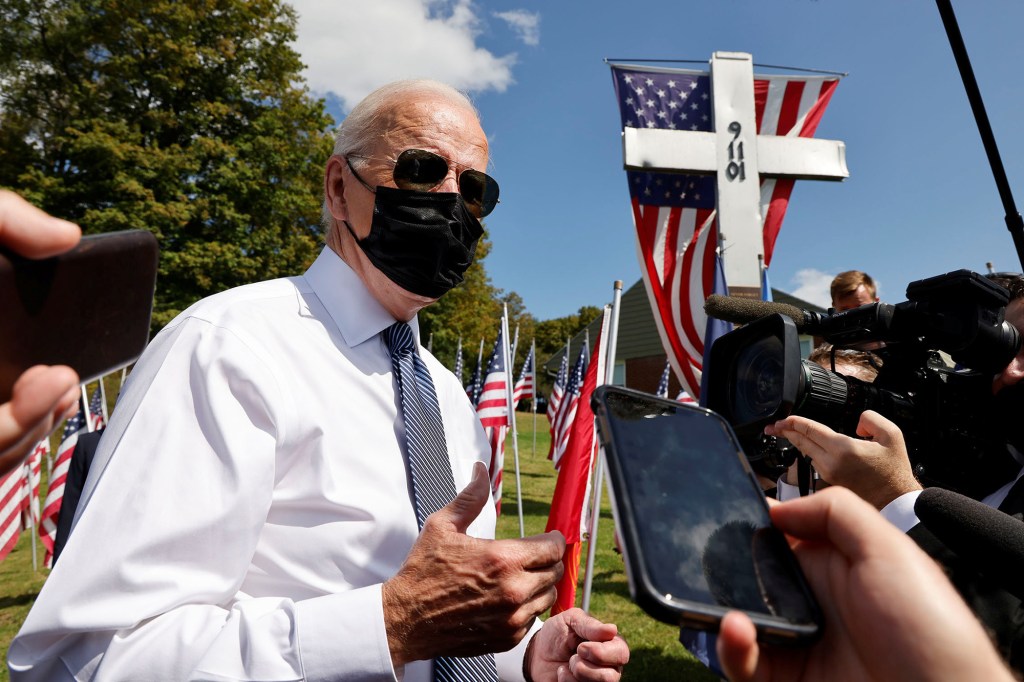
[466,506]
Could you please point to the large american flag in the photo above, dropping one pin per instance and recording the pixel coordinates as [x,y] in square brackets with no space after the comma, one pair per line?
[524,384]
[674,214]
[567,409]
[493,413]
[555,399]
[55,493]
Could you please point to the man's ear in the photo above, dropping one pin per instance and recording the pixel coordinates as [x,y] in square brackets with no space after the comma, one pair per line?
[334,188]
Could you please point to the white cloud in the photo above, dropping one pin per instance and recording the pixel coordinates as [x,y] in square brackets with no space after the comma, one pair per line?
[813,286]
[525,24]
[351,47]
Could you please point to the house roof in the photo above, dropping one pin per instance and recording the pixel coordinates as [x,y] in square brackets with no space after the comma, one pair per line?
[638,333]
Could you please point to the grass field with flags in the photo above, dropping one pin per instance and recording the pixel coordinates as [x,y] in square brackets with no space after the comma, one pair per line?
[655,651]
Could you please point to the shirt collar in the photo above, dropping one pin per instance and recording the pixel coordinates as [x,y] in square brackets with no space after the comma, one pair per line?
[357,314]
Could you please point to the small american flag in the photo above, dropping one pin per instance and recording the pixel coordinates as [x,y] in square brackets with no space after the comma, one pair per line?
[493,413]
[662,391]
[55,493]
[458,362]
[555,399]
[33,478]
[476,386]
[674,214]
[567,408]
[11,495]
[96,409]
[524,384]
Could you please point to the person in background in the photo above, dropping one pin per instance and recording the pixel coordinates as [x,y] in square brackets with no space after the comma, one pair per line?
[42,395]
[852,289]
[862,365]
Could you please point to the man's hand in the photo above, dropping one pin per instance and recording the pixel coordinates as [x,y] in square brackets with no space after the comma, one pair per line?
[878,469]
[41,395]
[575,646]
[462,596]
[890,613]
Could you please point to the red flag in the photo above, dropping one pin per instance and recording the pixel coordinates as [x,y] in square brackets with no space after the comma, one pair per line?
[573,479]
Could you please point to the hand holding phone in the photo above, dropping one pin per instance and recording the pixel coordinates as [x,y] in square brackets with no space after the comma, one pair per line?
[891,613]
[88,308]
[698,539]
[42,394]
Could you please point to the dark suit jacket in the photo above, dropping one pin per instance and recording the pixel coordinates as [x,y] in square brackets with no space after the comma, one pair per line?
[81,460]
[1000,612]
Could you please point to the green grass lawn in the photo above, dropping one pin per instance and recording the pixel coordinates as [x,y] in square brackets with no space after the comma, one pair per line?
[655,651]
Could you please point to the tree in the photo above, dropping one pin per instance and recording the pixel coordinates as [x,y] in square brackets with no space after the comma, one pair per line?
[187,118]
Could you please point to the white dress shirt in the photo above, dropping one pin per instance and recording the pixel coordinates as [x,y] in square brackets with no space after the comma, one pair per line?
[248,499]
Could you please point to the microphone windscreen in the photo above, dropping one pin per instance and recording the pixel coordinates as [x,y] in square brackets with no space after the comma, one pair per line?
[744,310]
[988,539]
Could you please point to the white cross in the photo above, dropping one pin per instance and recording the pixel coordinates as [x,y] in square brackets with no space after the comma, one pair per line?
[739,158]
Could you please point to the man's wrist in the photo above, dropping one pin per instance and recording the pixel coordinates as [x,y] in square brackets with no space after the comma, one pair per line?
[528,658]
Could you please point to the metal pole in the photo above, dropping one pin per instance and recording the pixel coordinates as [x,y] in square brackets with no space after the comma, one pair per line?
[32,515]
[512,418]
[609,376]
[1014,222]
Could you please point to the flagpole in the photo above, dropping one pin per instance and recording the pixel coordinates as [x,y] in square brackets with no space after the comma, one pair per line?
[609,376]
[103,402]
[512,416]
[31,515]
[88,412]
[533,407]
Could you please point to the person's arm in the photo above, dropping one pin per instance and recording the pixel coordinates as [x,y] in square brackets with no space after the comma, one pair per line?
[875,466]
[151,581]
[42,395]
[890,613]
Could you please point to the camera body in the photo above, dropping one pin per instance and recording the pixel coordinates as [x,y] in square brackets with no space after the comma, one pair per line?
[955,436]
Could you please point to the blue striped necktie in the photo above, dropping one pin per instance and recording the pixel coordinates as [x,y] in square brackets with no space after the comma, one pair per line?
[432,484]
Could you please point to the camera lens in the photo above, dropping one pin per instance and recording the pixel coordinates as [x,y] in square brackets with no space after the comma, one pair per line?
[757,381]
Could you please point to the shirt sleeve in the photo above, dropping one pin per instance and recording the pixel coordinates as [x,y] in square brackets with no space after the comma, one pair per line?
[900,512]
[150,583]
[786,491]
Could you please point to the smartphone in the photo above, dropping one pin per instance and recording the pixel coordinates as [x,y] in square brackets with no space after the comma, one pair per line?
[693,521]
[88,308]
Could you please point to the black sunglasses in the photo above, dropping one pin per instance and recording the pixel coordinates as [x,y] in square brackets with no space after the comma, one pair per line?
[420,170]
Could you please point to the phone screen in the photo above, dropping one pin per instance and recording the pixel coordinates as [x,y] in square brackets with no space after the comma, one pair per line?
[696,526]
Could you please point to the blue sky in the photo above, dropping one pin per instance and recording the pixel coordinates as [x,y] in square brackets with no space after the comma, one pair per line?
[920,199]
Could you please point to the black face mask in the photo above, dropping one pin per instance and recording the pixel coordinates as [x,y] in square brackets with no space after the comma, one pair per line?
[422,241]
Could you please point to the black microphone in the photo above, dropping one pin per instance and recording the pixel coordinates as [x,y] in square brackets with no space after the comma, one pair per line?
[986,538]
[744,310]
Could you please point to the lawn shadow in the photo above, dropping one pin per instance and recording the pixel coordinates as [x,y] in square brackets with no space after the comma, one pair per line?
[18,600]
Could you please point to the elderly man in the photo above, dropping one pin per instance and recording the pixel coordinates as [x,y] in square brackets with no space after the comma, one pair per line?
[275,497]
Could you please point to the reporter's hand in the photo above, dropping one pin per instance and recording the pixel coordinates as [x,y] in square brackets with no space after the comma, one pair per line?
[890,613]
[42,395]
[462,596]
[576,646]
[31,232]
[878,469]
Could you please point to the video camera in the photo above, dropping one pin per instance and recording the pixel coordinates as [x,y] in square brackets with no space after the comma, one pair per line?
[955,436]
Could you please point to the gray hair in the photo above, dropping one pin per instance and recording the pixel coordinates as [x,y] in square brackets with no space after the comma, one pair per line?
[364,125]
